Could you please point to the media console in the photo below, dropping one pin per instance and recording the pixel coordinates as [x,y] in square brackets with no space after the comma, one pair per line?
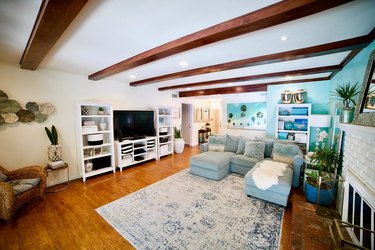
[130,152]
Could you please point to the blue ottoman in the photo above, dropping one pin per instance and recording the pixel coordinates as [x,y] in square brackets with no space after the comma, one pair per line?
[277,193]
[211,165]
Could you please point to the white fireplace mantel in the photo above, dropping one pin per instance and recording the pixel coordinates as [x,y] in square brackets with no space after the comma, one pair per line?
[357,129]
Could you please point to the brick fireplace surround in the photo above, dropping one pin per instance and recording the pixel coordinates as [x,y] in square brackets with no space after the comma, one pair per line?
[356,198]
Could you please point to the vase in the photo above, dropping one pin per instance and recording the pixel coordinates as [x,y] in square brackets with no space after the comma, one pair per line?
[102,125]
[54,153]
[88,166]
[300,96]
[286,96]
[179,144]
[346,115]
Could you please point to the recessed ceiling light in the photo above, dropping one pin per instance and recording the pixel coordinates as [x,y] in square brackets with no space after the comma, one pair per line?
[188,88]
[284,38]
[288,77]
[183,63]
[229,84]
[132,76]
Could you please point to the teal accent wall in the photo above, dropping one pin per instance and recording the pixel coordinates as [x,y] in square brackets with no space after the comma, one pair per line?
[317,95]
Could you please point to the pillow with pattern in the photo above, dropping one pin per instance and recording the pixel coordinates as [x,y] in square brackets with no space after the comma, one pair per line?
[255,149]
[216,143]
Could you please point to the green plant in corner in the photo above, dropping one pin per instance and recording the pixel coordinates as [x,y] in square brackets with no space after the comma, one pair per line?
[101,109]
[177,133]
[52,135]
[324,161]
[346,93]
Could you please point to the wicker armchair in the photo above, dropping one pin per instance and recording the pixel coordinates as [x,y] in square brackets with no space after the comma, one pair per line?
[9,202]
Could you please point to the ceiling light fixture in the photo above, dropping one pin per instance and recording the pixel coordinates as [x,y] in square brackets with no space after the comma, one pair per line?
[288,77]
[183,63]
[132,76]
[284,38]
[188,88]
[229,84]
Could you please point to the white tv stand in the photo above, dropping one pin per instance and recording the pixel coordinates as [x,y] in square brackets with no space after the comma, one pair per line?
[130,152]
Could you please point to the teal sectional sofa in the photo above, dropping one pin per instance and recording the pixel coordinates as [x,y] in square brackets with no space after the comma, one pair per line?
[224,154]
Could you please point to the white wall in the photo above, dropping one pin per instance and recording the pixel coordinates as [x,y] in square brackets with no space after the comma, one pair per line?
[26,144]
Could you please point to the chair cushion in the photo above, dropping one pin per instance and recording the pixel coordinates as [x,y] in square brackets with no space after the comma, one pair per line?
[23,185]
[255,149]
[231,143]
[284,152]
[241,144]
[216,143]
[3,177]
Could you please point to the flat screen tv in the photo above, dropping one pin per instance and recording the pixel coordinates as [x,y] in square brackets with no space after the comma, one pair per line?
[132,124]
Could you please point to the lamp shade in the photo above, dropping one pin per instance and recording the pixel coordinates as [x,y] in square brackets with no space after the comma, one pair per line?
[320,121]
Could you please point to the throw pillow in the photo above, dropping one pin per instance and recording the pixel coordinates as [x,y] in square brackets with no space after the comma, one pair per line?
[284,152]
[3,177]
[216,143]
[23,185]
[255,149]
[269,145]
[241,144]
[231,144]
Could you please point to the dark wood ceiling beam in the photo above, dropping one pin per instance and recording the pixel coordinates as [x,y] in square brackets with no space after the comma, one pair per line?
[54,17]
[281,12]
[319,50]
[244,88]
[299,72]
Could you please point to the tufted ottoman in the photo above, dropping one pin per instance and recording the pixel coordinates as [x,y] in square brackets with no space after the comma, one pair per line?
[212,165]
[277,193]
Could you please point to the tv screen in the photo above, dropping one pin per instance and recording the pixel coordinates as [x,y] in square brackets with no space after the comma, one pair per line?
[133,123]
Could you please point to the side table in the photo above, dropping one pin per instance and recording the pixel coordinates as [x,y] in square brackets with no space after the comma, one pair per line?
[61,186]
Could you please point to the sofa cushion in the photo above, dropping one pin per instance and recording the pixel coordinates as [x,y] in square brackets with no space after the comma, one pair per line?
[231,144]
[285,181]
[211,160]
[243,161]
[241,144]
[284,152]
[216,143]
[269,145]
[23,185]
[3,177]
[255,149]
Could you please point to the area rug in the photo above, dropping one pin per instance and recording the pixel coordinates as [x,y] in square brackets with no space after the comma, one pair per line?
[185,211]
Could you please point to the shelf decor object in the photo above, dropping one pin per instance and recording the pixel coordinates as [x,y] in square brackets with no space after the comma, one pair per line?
[320,121]
[96,150]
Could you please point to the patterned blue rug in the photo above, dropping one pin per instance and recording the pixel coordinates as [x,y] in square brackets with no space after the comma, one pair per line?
[185,211]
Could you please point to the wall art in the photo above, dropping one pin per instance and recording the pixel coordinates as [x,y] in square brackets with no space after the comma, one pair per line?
[12,112]
[251,115]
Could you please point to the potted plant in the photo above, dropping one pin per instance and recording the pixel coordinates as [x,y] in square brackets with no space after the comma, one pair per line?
[346,94]
[179,142]
[54,150]
[324,162]
[101,111]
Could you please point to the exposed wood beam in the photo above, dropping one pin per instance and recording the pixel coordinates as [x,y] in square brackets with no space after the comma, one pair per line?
[281,12]
[298,72]
[244,88]
[53,19]
[319,50]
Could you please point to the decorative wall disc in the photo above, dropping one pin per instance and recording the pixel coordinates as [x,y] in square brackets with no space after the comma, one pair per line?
[9,106]
[46,108]
[2,121]
[3,96]
[39,117]
[25,115]
[10,117]
[32,106]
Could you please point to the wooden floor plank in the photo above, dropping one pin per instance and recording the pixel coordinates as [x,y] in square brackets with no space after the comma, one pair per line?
[68,220]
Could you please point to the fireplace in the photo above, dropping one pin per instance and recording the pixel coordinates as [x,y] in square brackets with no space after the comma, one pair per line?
[358,205]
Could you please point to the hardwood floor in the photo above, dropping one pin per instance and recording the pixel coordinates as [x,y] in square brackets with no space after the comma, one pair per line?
[67,220]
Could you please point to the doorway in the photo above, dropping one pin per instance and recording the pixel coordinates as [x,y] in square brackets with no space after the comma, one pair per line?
[187,119]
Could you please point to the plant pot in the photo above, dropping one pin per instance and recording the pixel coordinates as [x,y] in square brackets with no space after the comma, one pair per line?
[54,153]
[346,115]
[327,197]
[179,145]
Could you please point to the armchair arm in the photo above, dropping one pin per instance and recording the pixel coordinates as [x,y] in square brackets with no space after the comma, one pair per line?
[297,164]
[27,173]
[6,200]
[203,147]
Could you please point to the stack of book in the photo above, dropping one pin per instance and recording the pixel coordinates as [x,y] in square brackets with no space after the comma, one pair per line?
[55,164]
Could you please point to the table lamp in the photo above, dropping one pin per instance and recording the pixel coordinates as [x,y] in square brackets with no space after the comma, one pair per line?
[320,121]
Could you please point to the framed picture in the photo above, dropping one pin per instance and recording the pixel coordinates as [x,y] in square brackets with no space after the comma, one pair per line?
[252,115]
[176,113]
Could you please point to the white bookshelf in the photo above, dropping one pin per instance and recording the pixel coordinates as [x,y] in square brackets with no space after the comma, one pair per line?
[164,130]
[101,152]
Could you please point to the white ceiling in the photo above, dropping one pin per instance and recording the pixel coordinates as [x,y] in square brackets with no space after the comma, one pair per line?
[106,32]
